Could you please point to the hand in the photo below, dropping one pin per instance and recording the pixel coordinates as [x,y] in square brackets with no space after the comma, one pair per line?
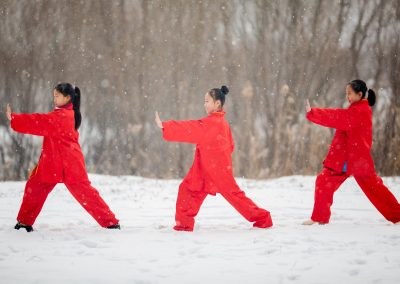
[307,105]
[8,112]
[158,120]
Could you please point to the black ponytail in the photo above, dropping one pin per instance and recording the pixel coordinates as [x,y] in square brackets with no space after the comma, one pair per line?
[76,102]
[66,89]
[371,97]
[361,86]
[219,94]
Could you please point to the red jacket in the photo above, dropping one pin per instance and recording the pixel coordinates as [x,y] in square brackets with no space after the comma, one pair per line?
[61,158]
[212,165]
[353,138]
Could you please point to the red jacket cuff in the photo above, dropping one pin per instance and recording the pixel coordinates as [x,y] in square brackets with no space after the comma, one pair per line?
[309,114]
[165,130]
[12,122]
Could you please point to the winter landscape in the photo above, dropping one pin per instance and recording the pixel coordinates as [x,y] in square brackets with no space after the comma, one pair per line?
[103,68]
[67,246]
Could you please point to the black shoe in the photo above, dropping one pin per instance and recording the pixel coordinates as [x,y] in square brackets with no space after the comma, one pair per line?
[26,227]
[116,226]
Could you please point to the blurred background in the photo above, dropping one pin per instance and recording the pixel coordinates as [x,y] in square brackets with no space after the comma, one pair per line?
[130,58]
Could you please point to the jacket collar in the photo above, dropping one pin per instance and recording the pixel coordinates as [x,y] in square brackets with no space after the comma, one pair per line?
[360,102]
[218,113]
[66,106]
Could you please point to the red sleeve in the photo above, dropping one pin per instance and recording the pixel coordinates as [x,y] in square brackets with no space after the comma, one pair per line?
[35,123]
[231,140]
[189,131]
[342,119]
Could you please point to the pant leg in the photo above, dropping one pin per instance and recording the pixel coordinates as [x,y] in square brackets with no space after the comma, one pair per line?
[35,195]
[92,202]
[380,196]
[327,182]
[244,205]
[188,205]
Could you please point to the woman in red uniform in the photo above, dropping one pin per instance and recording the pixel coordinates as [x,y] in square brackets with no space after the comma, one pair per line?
[61,160]
[211,171]
[349,154]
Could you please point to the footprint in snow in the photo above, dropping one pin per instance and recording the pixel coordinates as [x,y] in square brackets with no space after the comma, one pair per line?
[353,272]
[88,244]
[360,261]
[34,259]
[161,227]
[293,277]
[270,251]
[13,249]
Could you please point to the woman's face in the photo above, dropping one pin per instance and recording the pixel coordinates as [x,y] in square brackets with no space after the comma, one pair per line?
[352,96]
[59,99]
[210,105]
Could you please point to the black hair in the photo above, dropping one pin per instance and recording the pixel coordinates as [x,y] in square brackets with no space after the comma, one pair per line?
[360,86]
[66,89]
[219,94]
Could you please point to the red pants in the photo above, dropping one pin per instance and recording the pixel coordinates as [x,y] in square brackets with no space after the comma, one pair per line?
[36,193]
[328,181]
[189,202]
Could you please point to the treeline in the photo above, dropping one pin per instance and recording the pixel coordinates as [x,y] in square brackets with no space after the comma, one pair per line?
[131,58]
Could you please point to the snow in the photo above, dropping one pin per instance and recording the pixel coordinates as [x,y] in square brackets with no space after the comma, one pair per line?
[358,246]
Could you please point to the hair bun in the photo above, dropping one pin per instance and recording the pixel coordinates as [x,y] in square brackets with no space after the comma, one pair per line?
[224,90]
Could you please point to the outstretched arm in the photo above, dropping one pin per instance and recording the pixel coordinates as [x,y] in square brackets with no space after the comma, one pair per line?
[35,123]
[342,119]
[189,131]
[333,118]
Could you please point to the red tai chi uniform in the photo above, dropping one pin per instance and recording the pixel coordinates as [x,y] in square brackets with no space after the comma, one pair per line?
[351,149]
[61,161]
[211,171]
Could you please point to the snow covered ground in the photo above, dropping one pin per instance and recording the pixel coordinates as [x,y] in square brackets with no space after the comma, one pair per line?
[358,246]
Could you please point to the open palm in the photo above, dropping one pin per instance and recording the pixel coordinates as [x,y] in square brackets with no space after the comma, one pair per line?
[8,112]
